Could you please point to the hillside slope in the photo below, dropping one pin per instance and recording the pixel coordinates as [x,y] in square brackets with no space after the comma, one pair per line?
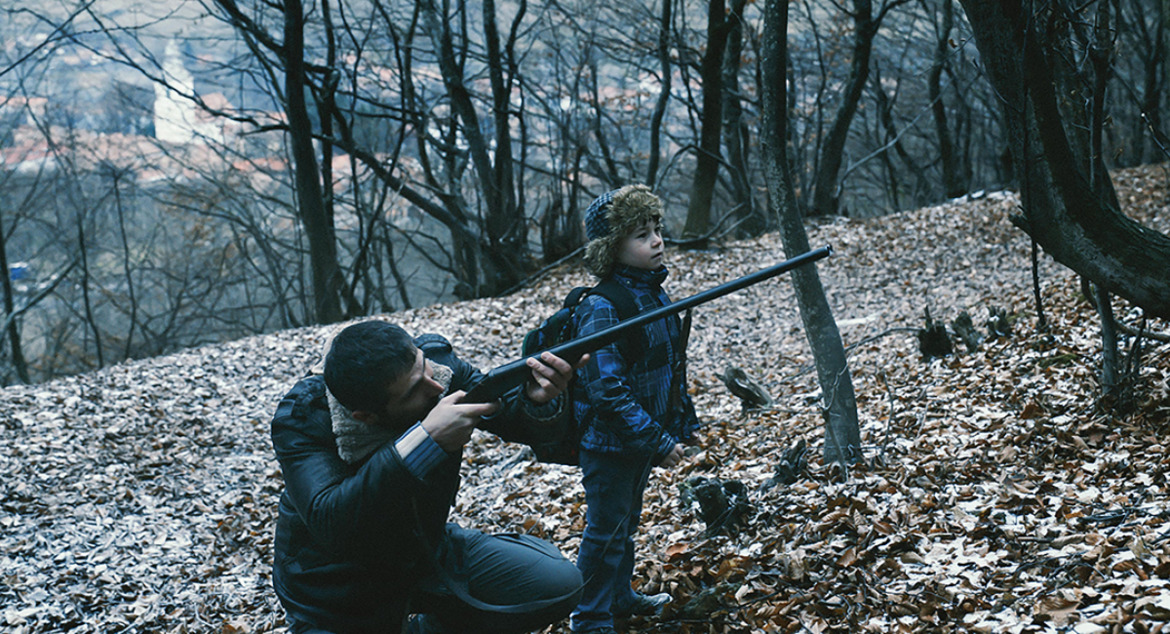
[995,495]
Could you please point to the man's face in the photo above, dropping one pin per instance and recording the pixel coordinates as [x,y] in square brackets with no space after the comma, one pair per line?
[411,396]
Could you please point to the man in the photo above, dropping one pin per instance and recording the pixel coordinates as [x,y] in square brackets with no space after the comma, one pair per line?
[370,452]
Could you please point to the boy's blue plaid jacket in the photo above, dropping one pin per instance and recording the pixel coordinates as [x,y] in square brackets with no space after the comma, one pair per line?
[625,407]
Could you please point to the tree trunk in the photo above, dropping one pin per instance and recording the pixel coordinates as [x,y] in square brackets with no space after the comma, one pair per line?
[664,22]
[1142,24]
[1152,93]
[323,263]
[1101,63]
[842,433]
[953,182]
[86,301]
[1165,43]
[922,185]
[327,110]
[1082,230]
[1109,374]
[709,156]
[736,136]
[13,328]
[611,174]
[127,271]
[505,227]
[825,200]
[505,256]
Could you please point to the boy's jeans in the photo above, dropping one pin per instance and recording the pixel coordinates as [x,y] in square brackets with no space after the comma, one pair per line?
[613,494]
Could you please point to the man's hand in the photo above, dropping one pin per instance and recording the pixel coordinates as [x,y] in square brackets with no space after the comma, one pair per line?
[550,376]
[450,423]
[673,458]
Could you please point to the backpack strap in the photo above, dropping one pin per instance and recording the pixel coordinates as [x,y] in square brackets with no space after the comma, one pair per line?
[575,296]
[622,299]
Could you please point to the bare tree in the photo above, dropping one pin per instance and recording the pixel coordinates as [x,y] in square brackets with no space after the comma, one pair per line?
[504,248]
[1069,206]
[1165,22]
[891,137]
[708,154]
[737,139]
[310,199]
[842,432]
[373,144]
[1142,31]
[865,29]
[665,74]
[954,183]
[11,317]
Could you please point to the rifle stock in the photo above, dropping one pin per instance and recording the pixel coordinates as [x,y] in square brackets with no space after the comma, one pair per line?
[505,377]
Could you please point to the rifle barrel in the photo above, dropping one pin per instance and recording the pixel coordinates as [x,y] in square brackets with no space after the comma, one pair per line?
[507,376]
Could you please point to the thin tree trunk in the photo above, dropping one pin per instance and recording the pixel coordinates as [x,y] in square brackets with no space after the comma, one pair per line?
[953,184]
[87,304]
[663,94]
[504,229]
[1101,63]
[13,330]
[1165,42]
[499,263]
[735,131]
[1151,98]
[611,169]
[842,433]
[132,322]
[709,155]
[922,185]
[1109,363]
[328,112]
[1041,320]
[314,214]
[825,199]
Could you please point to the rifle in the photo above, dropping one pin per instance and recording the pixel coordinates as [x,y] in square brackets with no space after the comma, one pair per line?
[505,377]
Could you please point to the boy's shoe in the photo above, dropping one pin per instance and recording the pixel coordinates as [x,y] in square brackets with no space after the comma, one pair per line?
[643,605]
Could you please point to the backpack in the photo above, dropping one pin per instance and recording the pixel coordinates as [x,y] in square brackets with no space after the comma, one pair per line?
[558,328]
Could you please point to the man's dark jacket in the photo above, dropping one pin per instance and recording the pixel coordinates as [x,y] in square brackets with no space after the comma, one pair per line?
[354,540]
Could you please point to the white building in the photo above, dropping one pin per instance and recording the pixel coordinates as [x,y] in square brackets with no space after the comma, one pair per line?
[177,118]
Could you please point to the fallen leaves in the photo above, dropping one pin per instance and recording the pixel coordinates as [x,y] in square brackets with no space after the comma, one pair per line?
[995,496]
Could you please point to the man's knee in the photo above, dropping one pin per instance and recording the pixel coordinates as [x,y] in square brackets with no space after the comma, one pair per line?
[562,577]
[540,567]
[516,583]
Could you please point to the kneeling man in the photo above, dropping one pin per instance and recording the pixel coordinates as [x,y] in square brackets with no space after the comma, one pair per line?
[370,450]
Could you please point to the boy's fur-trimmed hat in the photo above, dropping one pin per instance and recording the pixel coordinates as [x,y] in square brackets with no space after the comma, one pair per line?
[610,218]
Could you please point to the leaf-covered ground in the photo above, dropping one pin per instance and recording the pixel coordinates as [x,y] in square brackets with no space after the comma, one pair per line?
[995,495]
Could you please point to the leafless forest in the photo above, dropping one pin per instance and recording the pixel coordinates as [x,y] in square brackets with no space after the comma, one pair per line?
[192,193]
[996,494]
[194,171]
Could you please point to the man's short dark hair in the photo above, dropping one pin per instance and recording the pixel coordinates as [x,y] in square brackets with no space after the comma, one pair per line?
[363,360]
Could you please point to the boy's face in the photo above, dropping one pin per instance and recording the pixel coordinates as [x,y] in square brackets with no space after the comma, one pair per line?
[643,248]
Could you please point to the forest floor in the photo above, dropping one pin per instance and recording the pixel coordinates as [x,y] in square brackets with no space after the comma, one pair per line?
[996,493]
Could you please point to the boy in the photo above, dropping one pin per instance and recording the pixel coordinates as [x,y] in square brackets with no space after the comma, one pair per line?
[632,405]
